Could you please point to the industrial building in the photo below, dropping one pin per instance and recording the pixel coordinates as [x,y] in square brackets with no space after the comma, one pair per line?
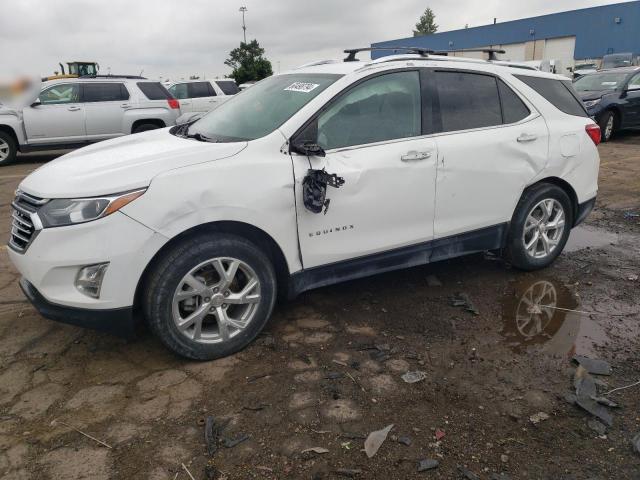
[576,36]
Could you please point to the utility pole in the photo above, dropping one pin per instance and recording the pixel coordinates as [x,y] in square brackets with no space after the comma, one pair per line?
[244,27]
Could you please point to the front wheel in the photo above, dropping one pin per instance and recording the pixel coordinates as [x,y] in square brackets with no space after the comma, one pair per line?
[540,227]
[607,125]
[210,295]
[8,149]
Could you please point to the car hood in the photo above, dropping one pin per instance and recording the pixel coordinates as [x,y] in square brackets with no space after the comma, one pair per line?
[121,164]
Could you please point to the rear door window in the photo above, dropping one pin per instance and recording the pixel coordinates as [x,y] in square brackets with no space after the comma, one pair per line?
[104,92]
[228,87]
[513,109]
[154,90]
[560,93]
[467,100]
[200,90]
[179,91]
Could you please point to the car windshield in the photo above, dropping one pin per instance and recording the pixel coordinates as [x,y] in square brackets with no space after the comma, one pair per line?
[261,109]
[599,81]
[615,61]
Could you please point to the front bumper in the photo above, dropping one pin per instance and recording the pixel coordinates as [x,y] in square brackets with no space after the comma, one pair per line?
[55,256]
[117,321]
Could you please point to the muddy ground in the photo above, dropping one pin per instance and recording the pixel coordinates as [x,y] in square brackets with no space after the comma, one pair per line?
[328,369]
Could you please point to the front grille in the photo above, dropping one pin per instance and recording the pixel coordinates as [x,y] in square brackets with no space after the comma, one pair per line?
[23,230]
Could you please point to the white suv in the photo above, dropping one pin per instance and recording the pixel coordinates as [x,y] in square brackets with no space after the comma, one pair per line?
[200,227]
[75,112]
[201,96]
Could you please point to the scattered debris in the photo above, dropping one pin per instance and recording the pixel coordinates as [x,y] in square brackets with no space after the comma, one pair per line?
[211,434]
[633,277]
[538,417]
[348,472]
[338,362]
[439,434]
[586,392]
[427,464]
[355,381]
[257,408]
[318,450]
[597,426]
[504,458]
[184,467]
[629,215]
[594,366]
[232,442]
[375,440]
[353,436]
[404,440]
[433,281]
[468,474]
[622,388]
[414,377]
[499,476]
[606,402]
[463,300]
[334,375]
[571,398]
[636,443]
[253,378]
[54,422]
[211,472]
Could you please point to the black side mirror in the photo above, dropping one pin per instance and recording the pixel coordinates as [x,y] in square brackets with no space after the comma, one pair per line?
[309,149]
[36,103]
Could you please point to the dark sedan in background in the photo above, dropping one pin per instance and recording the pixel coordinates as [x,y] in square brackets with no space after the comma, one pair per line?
[612,98]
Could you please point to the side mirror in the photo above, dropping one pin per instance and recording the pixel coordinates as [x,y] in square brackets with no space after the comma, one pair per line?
[309,149]
[36,103]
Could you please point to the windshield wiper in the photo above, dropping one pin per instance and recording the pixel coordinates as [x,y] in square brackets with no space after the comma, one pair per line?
[200,137]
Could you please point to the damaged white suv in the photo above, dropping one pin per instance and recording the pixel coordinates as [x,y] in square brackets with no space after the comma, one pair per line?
[327,173]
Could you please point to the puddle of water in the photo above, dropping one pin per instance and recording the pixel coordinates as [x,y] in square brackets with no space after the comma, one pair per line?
[583,237]
[536,313]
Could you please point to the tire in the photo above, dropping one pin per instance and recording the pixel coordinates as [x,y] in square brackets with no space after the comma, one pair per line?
[166,286]
[8,149]
[530,210]
[608,125]
[145,127]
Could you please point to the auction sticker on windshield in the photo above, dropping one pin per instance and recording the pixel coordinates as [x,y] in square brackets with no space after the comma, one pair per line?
[301,87]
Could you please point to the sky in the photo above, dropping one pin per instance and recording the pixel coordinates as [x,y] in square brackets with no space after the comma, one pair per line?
[174,39]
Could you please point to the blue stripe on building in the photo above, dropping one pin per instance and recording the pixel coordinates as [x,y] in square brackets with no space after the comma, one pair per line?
[598,31]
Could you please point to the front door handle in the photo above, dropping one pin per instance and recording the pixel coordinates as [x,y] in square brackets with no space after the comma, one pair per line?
[125,105]
[527,137]
[74,109]
[415,156]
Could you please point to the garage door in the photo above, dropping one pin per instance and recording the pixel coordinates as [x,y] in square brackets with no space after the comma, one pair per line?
[561,49]
[514,52]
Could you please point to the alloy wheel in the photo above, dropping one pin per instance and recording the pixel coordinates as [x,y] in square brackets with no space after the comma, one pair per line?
[216,300]
[536,309]
[4,150]
[608,128]
[543,228]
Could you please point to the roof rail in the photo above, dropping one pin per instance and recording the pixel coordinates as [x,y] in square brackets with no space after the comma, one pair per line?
[491,51]
[352,52]
[131,77]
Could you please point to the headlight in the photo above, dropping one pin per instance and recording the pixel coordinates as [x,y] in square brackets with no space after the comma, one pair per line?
[592,103]
[59,212]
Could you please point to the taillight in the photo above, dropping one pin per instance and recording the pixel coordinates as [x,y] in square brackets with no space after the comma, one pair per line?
[593,131]
[173,103]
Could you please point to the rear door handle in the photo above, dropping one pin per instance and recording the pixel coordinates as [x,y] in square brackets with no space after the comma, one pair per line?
[74,109]
[415,156]
[527,137]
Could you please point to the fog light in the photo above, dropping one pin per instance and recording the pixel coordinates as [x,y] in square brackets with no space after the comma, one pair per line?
[89,279]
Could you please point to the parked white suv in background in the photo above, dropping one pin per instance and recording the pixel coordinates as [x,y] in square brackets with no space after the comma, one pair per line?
[75,112]
[200,227]
[201,96]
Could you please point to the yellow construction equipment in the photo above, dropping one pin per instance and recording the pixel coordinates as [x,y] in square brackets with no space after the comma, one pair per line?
[75,70]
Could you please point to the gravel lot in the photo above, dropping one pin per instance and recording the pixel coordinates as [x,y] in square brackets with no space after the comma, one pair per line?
[327,372]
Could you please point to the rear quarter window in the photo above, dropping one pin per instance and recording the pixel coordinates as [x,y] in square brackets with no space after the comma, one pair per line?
[154,90]
[560,93]
[228,87]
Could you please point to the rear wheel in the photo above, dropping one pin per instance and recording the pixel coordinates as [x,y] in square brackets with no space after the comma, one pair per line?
[8,149]
[608,125]
[210,296]
[540,227]
[145,127]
